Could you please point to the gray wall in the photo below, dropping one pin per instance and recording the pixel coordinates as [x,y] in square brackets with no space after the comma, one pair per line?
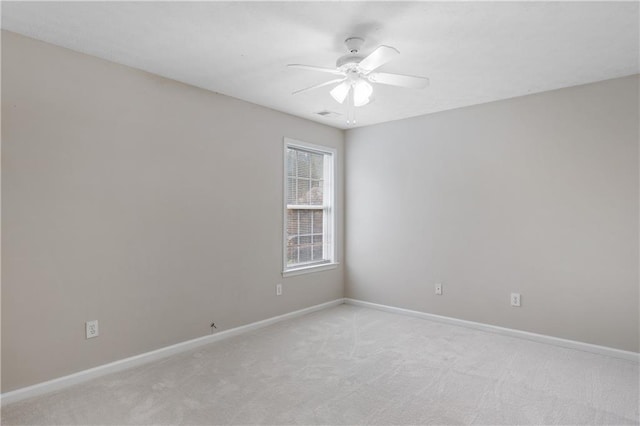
[536,195]
[149,205]
[152,206]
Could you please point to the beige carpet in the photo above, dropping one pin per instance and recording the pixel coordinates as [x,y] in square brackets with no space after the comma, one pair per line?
[352,365]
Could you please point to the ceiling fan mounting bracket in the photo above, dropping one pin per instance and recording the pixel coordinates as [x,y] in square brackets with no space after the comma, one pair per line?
[354,44]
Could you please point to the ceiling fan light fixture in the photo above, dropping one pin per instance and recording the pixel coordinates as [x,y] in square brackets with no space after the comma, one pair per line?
[362,91]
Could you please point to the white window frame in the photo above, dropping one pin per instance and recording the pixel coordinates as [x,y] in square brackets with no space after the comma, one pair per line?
[329,225]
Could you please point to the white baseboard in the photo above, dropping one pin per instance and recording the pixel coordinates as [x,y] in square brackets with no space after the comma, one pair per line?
[565,343]
[82,376]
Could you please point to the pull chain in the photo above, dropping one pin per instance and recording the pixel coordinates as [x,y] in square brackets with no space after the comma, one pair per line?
[351,109]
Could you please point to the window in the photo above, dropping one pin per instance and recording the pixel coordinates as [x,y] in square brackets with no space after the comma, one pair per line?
[309,211]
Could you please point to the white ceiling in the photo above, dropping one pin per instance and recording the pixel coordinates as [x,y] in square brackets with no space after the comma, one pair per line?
[473,52]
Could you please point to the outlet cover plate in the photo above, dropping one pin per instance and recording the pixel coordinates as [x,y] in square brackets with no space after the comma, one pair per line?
[91,328]
[515,299]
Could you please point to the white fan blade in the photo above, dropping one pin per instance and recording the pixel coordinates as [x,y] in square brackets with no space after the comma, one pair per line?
[340,92]
[314,68]
[408,81]
[378,57]
[326,83]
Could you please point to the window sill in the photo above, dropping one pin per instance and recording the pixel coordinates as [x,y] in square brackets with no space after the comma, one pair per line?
[310,269]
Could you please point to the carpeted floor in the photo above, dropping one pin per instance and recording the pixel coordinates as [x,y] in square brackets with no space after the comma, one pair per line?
[352,365]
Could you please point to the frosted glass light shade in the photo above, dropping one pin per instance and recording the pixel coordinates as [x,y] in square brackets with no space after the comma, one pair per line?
[362,90]
[339,93]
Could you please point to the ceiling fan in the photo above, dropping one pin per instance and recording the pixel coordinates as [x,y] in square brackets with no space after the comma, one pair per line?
[357,72]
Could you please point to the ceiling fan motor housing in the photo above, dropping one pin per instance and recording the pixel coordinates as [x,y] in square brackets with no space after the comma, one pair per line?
[348,62]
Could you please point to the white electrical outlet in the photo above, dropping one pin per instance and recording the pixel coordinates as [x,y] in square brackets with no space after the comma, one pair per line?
[278,289]
[515,299]
[439,289]
[92,329]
